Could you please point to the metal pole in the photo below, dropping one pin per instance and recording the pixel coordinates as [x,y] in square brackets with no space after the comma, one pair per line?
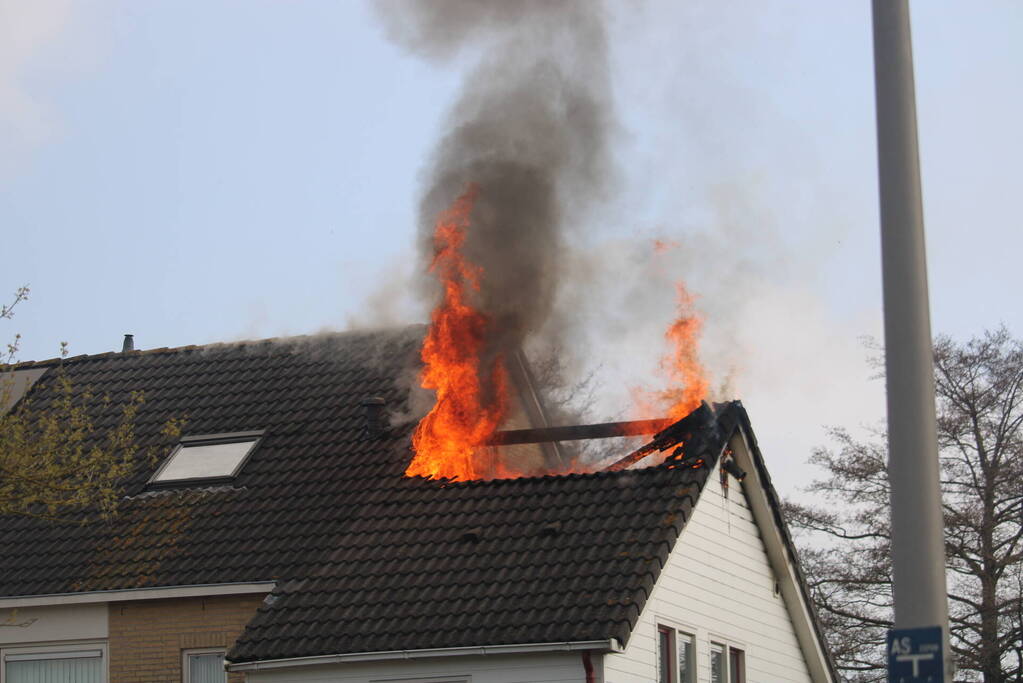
[918,549]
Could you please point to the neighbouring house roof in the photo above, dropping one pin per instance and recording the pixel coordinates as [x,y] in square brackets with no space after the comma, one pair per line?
[312,471]
[364,558]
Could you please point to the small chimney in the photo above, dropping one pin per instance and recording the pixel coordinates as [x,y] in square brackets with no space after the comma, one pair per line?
[129,343]
[376,422]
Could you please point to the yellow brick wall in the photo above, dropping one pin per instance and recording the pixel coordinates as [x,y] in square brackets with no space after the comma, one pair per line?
[147,636]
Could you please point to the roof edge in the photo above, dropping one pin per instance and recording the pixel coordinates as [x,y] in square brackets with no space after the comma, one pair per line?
[607,645]
[149,593]
[294,339]
[744,429]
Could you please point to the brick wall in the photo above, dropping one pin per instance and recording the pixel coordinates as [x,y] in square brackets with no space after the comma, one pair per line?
[147,636]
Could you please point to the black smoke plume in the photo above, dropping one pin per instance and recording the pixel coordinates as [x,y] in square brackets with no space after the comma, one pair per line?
[530,128]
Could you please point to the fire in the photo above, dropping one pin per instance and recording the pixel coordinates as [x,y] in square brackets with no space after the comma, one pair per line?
[472,389]
[663,245]
[686,378]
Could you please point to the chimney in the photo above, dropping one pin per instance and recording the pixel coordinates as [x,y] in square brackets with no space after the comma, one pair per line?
[376,422]
[129,343]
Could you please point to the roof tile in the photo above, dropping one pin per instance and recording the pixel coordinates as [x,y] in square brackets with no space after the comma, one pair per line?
[367,559]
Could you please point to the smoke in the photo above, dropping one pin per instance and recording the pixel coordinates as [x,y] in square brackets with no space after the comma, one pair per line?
[719,163]
[27,30]
[529,128]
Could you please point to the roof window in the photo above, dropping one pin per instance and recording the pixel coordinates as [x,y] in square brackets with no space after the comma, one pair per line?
[206,459]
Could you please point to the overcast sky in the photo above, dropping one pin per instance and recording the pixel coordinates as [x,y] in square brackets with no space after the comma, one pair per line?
[194,172]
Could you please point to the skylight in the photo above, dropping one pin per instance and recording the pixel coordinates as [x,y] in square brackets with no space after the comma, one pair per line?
[215,456]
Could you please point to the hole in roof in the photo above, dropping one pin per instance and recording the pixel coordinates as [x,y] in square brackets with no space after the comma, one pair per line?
[210,457]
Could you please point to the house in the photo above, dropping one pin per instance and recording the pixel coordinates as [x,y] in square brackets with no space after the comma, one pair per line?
[280,534]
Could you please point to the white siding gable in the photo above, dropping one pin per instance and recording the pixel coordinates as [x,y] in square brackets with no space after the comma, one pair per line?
[719,586]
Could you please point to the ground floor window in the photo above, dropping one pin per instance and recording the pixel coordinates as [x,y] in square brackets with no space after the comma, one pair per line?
[56,664]
[204,666]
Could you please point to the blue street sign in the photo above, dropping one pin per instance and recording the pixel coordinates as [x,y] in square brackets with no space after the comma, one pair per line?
[915,655]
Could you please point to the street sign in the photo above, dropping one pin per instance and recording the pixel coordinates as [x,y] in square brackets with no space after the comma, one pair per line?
[915,655]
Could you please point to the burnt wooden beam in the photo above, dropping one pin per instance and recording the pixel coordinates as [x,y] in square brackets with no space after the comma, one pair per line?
[670,436]
[603,430]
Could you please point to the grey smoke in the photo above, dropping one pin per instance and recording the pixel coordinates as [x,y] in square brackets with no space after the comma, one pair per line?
[530,128]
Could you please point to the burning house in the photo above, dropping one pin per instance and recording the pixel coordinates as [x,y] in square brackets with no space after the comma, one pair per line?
[284,533]
[317,522]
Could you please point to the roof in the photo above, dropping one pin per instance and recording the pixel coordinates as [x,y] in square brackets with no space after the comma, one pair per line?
[301,485]
[365,559]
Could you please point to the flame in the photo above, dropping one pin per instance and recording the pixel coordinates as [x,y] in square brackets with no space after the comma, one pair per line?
[472,390]
[685,375]
[662,246]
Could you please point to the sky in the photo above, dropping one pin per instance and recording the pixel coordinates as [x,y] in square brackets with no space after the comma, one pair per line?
[197,172]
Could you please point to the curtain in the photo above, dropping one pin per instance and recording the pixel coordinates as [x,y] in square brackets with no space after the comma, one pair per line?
[207,668]
[64,670]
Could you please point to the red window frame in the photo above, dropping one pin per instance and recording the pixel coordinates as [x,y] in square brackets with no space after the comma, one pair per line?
[666,672]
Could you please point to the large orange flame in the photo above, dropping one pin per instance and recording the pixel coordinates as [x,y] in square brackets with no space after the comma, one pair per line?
[472,390]
[681,368]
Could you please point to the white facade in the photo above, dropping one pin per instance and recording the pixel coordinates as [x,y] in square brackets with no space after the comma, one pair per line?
[719,587]
[21,626]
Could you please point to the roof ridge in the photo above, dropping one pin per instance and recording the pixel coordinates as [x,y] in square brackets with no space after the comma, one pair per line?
[50,362]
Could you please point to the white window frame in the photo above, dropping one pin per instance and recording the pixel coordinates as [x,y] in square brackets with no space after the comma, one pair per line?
[691,635]
[726,646]
[63,650]
[677,632]
[185,654]
[717,647]
[252,437]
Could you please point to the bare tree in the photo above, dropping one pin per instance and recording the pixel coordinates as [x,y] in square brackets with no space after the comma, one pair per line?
[979,387]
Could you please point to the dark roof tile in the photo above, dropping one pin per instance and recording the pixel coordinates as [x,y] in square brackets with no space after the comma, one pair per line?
[367,559]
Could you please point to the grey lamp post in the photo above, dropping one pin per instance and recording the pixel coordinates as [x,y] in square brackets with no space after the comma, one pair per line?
[918,550]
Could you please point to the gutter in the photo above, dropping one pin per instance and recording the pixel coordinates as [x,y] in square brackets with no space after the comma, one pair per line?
[608,645]
[149,593]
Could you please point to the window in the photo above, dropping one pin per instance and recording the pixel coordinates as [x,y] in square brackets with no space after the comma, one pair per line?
[675,656]
[665,655]
[717,663]
[79,663]
[204,458]
[736,666]
[685,646]
[727,664]
[203,666]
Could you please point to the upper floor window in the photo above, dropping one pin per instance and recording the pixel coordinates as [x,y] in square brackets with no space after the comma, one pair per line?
[675,656]
[727,664]
[665,655]
[717,663]
[686,647]
[205,458]
[736,666]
